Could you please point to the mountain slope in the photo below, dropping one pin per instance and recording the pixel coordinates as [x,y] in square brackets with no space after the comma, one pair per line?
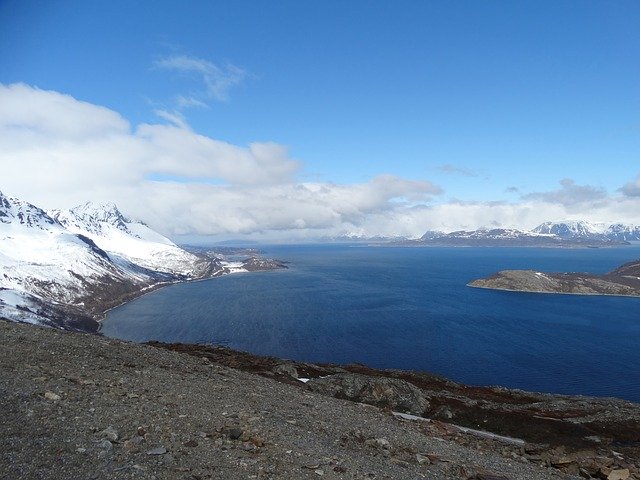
[572,229]
[66,268]
[130,240]
[119,410]
[588,230]
[495,237]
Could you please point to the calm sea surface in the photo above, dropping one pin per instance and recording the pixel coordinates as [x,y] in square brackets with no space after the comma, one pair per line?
[410,308]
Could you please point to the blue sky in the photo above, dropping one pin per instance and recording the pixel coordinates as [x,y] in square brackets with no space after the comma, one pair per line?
[488,101]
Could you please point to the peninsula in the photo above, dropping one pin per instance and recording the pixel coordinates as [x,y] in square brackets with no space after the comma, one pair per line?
[623,281]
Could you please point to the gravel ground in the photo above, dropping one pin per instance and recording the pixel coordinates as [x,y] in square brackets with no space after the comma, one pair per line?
[78,406]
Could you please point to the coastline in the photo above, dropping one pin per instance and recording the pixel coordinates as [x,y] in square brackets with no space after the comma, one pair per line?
[100,317]
[157,286]
[502,289]
[141,293]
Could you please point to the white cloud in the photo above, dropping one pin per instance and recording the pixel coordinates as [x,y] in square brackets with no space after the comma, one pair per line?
[186,101]
[176,118]
[58,151]
[455,170]
[570,194]
[218,80]
[631,189]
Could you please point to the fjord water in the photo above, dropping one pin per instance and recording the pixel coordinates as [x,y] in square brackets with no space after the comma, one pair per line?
[410,308]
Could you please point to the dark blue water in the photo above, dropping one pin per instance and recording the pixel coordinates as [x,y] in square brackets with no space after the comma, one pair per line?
[409,308]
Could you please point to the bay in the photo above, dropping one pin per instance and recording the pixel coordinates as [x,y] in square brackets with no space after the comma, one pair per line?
[410,308]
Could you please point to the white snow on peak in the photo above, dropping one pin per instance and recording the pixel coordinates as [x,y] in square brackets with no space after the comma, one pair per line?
[131,240]
[584,229]
[65,256]
[15,213]
[573,227]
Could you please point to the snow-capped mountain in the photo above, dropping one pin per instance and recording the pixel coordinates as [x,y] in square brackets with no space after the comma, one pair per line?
[587,230]
[486,237]
[620,231]
[66,268]
[131,240]
[548,234]
[495,233]
[572,229]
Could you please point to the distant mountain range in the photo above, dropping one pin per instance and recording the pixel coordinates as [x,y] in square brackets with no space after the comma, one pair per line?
[64,268]
[548,234]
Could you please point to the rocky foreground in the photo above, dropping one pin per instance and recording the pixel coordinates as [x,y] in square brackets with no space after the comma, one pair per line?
[83,406]
[623,281]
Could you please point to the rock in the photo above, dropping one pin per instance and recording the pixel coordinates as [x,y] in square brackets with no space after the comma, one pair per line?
[422,459]
[105,445]
[378,443]
[54,397]
[620,474]
[130,446]
[433,458]
[248,446]
[604,472]
[109,433]
[286,369]
[379,391]
[443,412]
[257,441]
[235,433]
[400,462]
[535,448]
[488,476]
[157,451]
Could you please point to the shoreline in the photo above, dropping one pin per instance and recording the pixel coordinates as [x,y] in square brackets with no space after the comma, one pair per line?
[158,286]
[99,318]
[544,292]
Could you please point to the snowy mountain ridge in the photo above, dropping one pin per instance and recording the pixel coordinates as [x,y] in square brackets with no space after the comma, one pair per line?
[565,233]
[67,267]
[15,211]
[129,239]
[583,229]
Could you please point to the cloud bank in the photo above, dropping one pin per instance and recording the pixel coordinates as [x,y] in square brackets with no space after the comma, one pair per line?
[58,151]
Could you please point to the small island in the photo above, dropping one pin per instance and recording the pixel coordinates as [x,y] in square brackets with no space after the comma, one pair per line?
[623,281]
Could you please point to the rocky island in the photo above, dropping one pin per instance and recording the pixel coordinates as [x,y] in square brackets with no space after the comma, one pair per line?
[623,281]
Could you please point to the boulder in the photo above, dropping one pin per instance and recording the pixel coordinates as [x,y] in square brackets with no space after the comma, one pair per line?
[287,369]
[620,474]
[383,392]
